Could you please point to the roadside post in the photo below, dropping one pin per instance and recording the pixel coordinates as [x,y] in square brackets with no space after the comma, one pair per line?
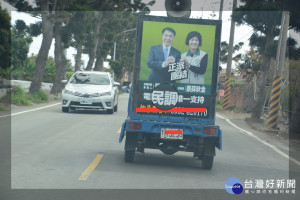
[277,79]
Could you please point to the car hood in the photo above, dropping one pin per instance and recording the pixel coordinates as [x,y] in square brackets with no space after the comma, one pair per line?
[84,88]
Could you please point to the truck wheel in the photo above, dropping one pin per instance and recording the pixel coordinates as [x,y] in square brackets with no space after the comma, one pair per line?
[129,155]
[207,162]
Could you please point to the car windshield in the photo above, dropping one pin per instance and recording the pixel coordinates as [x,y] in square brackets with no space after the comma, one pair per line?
[90,78]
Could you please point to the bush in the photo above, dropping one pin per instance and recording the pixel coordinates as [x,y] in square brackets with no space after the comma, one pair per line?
[69,74]
[236,84]
[236,110]
[5,73]
[50,71]
[219,105]
[19,97]
[2,109]
[39,97]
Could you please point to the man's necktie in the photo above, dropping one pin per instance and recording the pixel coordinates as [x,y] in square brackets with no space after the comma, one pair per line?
[166,53]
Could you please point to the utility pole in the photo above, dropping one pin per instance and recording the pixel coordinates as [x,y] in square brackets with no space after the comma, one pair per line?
[229,60]
[115,43]
[221,9]
[276,86]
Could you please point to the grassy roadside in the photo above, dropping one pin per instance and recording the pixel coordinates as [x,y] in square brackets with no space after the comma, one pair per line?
[219,106]
[2,109]
[19,97]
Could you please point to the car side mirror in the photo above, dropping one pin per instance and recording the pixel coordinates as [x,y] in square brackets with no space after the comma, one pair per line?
[64,81]
[116,84]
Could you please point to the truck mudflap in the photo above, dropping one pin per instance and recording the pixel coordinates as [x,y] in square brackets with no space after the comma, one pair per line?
[122,134]
[220,146]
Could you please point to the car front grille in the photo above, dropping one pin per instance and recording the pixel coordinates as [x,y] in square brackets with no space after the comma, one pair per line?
[97,104]
[86,95]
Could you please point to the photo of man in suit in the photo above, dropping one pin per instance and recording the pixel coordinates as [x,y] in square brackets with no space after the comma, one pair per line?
[160,56]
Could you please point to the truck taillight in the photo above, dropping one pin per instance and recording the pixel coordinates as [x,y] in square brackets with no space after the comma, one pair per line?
[209,131]
[135,126]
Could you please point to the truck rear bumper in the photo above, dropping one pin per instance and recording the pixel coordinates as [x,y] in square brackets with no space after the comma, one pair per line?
[155,127]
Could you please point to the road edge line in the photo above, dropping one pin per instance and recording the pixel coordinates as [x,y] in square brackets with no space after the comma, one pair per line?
[19,113]
[260,140]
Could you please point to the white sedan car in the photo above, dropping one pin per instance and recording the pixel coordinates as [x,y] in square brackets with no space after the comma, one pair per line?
[90,90]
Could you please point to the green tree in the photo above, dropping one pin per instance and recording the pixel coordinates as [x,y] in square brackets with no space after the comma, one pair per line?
[97,40]
[78,31]
[52,19]
[121,29]
[5,42]
[125,40]
[250,63]
[20,43]
[47,31]
[61,17]
[116,67]
[265,18]
[294,95]
[224,51]
[293,51]
[48,11]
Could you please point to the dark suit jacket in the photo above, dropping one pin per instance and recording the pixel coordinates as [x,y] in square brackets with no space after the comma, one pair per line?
[155,60]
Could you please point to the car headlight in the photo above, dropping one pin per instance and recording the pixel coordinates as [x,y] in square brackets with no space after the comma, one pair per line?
[68,91]
[105,94]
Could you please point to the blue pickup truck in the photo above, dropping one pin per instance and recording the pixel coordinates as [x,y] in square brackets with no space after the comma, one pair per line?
[176,113]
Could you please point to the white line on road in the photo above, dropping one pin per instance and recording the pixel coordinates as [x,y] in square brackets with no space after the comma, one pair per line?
[19,113]
[260,140]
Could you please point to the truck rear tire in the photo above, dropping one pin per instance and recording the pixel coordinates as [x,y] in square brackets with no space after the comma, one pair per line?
[207,162]
[130,146]
[129,155]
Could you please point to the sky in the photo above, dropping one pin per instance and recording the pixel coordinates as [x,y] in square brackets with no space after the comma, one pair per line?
[205,9]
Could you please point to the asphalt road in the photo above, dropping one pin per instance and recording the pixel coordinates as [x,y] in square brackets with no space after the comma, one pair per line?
[80,150]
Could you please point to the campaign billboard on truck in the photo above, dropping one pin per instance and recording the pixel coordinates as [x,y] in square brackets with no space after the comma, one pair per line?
[173,98]
[177,66]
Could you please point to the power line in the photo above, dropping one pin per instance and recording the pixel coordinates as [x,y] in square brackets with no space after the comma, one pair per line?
[244,36]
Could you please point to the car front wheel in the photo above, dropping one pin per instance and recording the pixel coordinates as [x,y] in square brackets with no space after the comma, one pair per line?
[116,108]
[65,109]
[111,111]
